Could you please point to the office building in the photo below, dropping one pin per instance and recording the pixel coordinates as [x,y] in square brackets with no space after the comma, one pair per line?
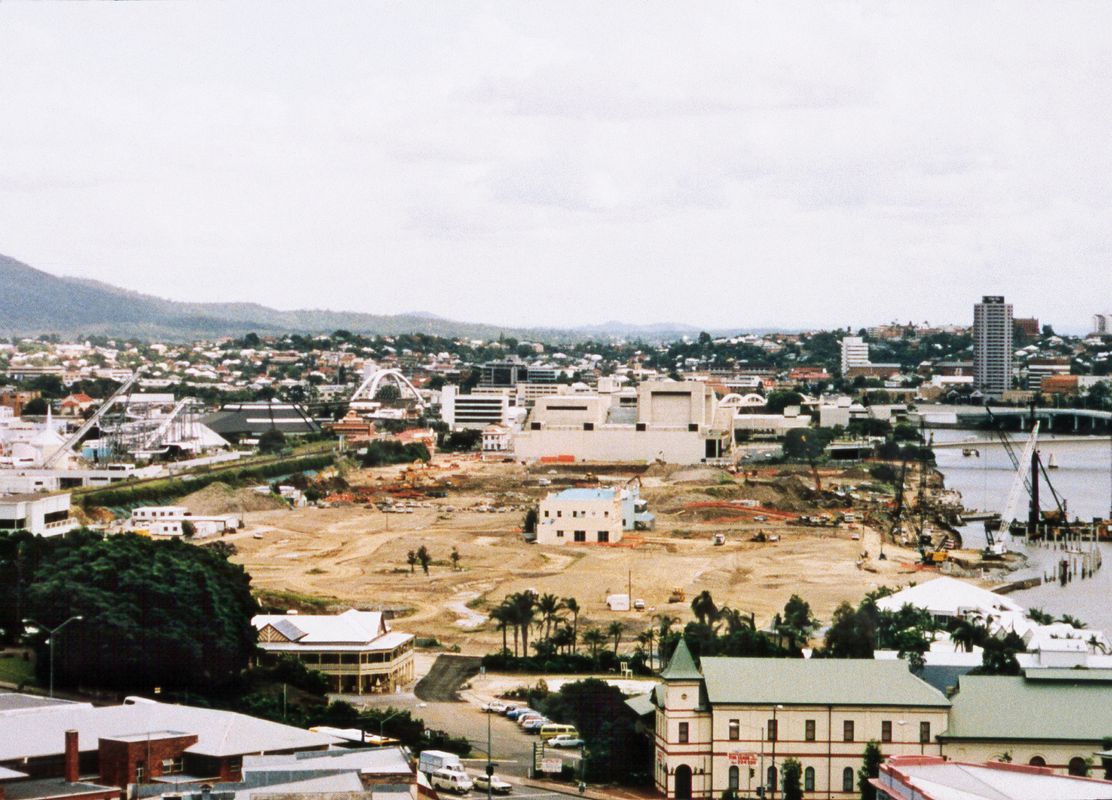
[855,353]
[992,345]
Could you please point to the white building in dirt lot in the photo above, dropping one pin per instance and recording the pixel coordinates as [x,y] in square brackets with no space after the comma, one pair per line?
[591,515]
[675,422]
[41,514]
[171,521]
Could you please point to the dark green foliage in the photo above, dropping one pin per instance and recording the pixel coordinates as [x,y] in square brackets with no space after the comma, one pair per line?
[289,670]
[562,663]
[791,780]
[155,613]
[870,768]
[461,441]
[807,443]
[870,426]
[885,473]
[272,441]
[615,751]
[776,402]
[34,408]
[998,657]
[529,522]
[380,453]
[162,491]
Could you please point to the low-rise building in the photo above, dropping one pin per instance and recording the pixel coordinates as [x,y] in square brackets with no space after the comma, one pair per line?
[934,778]
[41,514]
[579,516]
[715,722]
[179,521]
[356,650]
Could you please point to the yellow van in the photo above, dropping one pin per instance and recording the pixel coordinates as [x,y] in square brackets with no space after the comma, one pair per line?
[554,729]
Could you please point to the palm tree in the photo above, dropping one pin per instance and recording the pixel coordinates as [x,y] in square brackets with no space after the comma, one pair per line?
[1072,621]
[573,607]
[645,638]
[703,607]
[664,625]
[411,559]
[735,620]
[594,638]
[549,607]
[615,629]
[967,632]
[561,637]
[501,615]
[525,607]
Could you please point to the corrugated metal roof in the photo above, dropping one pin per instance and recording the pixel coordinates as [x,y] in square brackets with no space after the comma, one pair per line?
[821,681]
[350,627]
[1013,707]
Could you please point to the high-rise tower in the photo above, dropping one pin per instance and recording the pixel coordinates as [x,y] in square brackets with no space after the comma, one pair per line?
[992,345]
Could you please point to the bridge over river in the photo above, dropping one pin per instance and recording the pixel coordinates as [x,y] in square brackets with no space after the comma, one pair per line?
[1054,420]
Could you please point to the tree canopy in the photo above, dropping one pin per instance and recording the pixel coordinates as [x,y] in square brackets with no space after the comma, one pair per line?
[164,614]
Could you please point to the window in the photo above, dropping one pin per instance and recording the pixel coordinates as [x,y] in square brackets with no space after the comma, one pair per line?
[735,730]
[140,771]
[683,733]
[580,536]
[809,730]
[847,730]
[847,779]
[559,534]
[1078,767]
[1037,761]
[606,513]
[735,781]
[924,732]
[559,513]
[886,730]
[604,536]
[546,513]
[809,779]
[772,730]
[171,766]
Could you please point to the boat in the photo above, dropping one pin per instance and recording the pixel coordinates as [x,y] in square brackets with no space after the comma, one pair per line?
[971,451]
[1052,463]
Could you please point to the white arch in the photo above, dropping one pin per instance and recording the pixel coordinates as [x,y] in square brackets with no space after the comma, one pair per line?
[368,390]
[738,401]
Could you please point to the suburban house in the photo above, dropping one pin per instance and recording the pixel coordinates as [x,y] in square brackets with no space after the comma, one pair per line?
[356,649]
[730,724]
[75,405]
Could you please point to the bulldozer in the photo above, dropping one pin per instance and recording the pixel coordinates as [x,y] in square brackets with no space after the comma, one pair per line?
[678,595]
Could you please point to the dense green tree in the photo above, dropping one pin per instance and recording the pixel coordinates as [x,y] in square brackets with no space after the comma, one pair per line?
[272,441]
[791,775]
[154,613]
[870,768]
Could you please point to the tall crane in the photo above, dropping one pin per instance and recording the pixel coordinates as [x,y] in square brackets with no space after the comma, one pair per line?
[91,422]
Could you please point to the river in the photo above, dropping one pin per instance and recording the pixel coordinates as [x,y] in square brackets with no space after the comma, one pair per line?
[1083,478]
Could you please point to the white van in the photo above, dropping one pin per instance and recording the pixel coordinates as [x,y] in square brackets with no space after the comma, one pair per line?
[434,760]
[452,781]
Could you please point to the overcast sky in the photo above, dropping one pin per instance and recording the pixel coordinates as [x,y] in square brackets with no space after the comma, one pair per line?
[557,163]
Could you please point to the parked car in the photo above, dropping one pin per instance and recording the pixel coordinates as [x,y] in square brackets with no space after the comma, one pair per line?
[509,707]
[497,785]
[534,725]
[514,713]
[565,740]
[494,708]
[451,781]
[527,718]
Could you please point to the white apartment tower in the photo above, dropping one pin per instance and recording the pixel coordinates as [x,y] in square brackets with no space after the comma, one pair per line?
[855,353]
[992,345]
[1102,324]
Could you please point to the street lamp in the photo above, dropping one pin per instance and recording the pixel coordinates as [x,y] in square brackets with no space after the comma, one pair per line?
[774,737]
[53,632]
[382,722]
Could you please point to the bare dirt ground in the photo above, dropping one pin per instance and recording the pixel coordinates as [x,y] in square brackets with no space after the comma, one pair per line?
[357,555]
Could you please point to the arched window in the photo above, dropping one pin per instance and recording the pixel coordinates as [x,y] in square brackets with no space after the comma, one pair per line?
[809,779]
[770,784]
[847,779]
[734,780]
[1079,767]
[1037,761]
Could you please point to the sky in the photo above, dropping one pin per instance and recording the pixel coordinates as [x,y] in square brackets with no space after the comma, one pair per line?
[724,165]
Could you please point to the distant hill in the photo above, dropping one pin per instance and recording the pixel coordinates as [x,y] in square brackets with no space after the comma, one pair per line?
[33,302]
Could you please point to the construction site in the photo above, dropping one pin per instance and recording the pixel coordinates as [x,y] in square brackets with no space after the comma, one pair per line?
[752,538]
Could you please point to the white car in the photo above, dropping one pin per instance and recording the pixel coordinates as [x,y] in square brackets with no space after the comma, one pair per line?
[495,708]
[452,781]
[497,785]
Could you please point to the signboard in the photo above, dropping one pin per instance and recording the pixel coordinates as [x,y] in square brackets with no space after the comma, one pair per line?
[555,765]
[742,758]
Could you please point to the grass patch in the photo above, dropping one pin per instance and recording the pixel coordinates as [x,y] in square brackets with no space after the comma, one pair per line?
[282,600]
[17,671]
[315,571]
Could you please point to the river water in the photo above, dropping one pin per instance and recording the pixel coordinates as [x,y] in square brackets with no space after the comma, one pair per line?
[1083,478]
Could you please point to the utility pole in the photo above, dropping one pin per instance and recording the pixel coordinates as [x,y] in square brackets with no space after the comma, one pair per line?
[53,633]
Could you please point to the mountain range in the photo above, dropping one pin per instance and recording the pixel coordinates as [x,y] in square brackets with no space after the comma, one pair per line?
[33,302]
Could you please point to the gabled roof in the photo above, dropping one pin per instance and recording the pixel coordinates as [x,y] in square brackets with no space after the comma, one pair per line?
[1048,705]
[351,627]
[816,681]
[682,666]
[947,596]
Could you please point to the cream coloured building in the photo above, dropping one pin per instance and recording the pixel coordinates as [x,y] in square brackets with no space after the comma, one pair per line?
[580,515]
[671,421]
[356,649]
[732,723]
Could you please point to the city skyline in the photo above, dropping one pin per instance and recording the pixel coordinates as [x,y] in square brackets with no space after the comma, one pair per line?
[742,167]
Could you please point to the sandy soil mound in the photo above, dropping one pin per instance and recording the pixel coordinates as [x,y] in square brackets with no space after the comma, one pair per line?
[220,498]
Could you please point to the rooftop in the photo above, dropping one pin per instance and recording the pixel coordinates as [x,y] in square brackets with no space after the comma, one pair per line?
[581,495]
[350,627]
[787,681]
[52,787]
[933,779]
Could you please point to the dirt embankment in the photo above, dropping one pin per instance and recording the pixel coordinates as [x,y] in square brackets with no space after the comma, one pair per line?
[220,498]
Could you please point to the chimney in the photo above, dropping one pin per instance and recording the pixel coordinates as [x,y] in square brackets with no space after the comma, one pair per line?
[72,757]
